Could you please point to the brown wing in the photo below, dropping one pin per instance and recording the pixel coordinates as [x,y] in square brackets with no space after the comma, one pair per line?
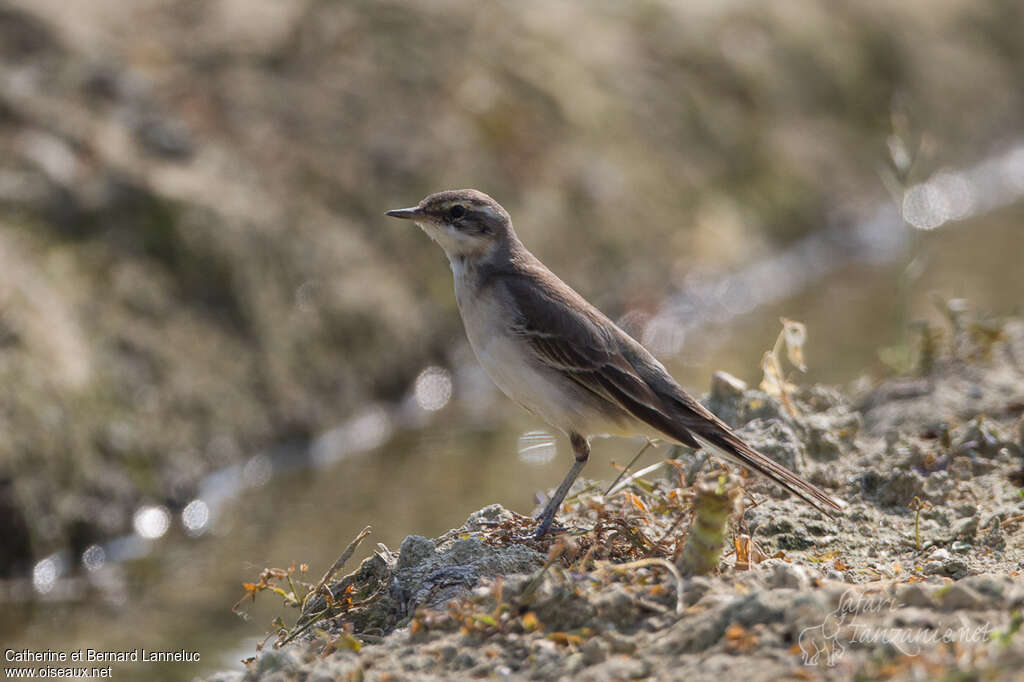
[571,336]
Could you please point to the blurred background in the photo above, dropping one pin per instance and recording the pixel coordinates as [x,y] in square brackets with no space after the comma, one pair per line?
[217,355]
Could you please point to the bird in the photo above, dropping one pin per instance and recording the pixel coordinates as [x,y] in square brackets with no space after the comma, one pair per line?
[560,358]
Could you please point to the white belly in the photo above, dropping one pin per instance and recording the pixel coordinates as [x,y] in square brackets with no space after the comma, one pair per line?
[507,361]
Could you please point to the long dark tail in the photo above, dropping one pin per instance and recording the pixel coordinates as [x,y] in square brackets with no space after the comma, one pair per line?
[731,447]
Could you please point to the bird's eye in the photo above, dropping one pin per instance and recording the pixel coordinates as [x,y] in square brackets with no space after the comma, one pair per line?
[457,211]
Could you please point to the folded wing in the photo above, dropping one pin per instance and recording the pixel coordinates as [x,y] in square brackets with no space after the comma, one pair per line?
[569,335]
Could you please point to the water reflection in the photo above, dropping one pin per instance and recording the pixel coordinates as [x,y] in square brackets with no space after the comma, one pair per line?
[45,573]
[366,430]
[433,388]
[196,516]
[947,196]
[93,558]
[537,447]
[257,471]
[151,522]
[952,195]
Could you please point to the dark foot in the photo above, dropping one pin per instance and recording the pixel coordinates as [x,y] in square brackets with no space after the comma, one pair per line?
[551,527]
[541,531]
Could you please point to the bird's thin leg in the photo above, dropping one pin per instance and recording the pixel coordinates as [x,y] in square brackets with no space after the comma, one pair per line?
[581,448]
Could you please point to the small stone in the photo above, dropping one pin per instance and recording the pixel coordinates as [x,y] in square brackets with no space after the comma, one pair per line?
[966,529]
[491,514]
[966,509]
[464,661]
[163,137]
[961,469]
[937,485]
[787,575]
[726,387]
[415,550]
[575,663]
[695,589]
[914,595]
[618,642]
[899,487]
[594,651]
[778,440]
[953,568]
[983,466]
[274,661]
[959,596]
[822,442]
[981,436]
[961,547]
[617,605]
[620,668]
[994,537]
[991,587]
[940,554]
[761,607]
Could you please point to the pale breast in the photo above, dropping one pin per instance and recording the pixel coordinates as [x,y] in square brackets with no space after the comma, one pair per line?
[507,360]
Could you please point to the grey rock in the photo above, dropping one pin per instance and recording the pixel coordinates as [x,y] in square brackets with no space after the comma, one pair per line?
[777,439]
[726,388]
[341,665]
[574,663]
[823,443]
[464,661]
[966,509]
[491,514]
[966,529]
[620,668]
[900,487]
[170,139]
[937,485]
[960,596]
[760,405]
[694,634]
[980,436]
[616,605]
[274,660]
[781,574]
[953,568]
[618,642]
[594,650]
[993,588]
[914,595]
[994,535]
[414,551]
[961,468]
[761,607]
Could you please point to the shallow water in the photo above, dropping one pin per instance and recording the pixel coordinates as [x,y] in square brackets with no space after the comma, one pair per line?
[407,469]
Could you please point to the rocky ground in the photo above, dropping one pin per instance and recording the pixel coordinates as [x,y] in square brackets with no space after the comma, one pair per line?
[917,579]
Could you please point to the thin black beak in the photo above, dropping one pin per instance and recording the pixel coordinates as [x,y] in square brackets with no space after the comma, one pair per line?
[406,213]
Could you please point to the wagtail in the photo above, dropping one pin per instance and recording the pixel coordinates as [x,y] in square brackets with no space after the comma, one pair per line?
[559,357]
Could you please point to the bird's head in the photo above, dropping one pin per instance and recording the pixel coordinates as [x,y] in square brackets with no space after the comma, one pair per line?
[465,222]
